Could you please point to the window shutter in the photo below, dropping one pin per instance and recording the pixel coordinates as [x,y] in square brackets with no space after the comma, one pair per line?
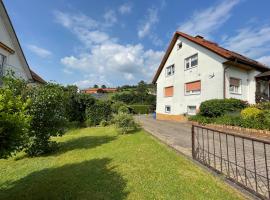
[168,91]
[235,82]
[193,86]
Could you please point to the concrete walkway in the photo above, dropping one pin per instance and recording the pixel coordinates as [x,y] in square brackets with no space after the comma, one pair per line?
[175,134]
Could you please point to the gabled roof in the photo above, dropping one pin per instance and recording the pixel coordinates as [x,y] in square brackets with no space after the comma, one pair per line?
[37,78]
[15,39]
[214,47]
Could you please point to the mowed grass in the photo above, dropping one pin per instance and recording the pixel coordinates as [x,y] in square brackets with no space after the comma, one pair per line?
[97,163]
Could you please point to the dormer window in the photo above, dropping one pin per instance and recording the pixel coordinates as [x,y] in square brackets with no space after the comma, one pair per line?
[179,45]
[170,70]
[191,62]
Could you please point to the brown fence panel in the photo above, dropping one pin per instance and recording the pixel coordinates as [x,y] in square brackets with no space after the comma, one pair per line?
[242,159]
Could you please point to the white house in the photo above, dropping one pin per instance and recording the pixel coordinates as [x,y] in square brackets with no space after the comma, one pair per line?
[194,70]
[11,54]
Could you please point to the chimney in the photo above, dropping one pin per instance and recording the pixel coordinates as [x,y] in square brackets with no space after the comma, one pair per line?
[199,36]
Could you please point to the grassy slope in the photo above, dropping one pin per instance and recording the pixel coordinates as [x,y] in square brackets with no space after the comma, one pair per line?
[96,163]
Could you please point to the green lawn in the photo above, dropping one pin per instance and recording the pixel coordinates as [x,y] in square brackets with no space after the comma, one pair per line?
[96,163]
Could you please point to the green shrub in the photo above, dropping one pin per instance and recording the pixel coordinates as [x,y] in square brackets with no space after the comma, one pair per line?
[200,119]
[116,105]
[101,110]
[89,123]
[228,120]
[14,122]
[219,107]
[263,106]
[124,123]
[251,113]
[48,118]
[141,109]
[123,109]
[77,104]
[104,123]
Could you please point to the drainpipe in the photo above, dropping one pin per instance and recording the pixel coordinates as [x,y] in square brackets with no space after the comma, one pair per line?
[224,82]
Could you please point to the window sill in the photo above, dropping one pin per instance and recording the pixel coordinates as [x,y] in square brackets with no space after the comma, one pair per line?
[192,94]
[234,93]
[190,68]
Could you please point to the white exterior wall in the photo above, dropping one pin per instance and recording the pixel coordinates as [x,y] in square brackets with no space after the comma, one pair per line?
[208,64]
[13,61]
[210,71]
[248,83]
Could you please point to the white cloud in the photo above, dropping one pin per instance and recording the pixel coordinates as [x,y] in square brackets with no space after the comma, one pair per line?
[204,22]
[110,18]
[265,60]
[105,56]
[149,22]
[125,8]
[91,80]
[44,53]
[250,41]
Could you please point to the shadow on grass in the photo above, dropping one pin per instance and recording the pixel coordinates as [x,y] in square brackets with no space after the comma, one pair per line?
[93,179]
[86,142]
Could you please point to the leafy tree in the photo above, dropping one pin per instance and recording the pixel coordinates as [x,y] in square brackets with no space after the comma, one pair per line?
[48,118]
[14,122]
[96,86]
[103,86]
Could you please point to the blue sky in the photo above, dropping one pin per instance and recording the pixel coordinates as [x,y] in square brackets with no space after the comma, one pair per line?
[116,42]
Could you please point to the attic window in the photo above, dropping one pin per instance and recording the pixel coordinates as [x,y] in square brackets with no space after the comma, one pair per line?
[179,45]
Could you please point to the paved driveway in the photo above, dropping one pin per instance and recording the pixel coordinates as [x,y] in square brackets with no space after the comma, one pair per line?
[175,134]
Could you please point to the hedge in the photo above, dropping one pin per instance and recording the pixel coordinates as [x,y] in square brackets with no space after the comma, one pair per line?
[219,107]
[141,109]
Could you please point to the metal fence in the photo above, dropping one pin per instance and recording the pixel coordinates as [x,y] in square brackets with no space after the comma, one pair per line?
[242,159]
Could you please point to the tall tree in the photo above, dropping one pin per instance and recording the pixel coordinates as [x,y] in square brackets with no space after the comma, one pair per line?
[95,86]
[103,86]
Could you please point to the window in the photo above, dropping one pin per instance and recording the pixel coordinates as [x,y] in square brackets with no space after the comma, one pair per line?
[193,88]
[2,63]
[179,45]
[235,86]
[191,62]
[170,70]
[191,110]
[168,91]
[167,109]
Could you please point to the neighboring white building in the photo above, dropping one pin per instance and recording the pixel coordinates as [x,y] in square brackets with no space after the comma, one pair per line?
[11,54]
[194,70]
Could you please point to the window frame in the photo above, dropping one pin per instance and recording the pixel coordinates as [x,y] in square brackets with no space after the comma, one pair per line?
[172,69]
[179,45]
[188,108]
[168,106]
[239,92]
[189,60]
[193,92]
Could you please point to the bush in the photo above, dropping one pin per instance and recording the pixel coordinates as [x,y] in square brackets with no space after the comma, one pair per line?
[48,118]
[14,122]
[77,104]
[99,111]
[104,123]
[116,105]
[141,109]
[124,123]
[219,107]
[123,109]
[263,106]
[251,113]
[200,119]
